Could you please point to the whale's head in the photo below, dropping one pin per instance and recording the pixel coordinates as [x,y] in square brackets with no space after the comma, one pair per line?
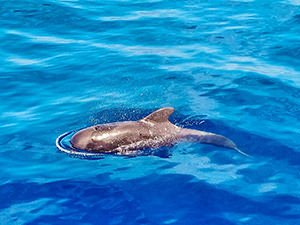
[95,138]
[83,138]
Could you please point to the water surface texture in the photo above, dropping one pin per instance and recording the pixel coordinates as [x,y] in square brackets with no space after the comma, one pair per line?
[70,64]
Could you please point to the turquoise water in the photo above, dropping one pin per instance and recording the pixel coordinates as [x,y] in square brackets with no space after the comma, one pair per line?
[70,64]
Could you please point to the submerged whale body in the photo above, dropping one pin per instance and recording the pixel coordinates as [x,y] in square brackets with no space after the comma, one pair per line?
[153,131]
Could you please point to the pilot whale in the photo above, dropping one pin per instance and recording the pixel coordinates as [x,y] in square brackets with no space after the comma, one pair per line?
[153,131]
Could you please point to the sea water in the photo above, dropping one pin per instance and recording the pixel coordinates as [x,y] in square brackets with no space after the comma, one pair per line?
[68,64]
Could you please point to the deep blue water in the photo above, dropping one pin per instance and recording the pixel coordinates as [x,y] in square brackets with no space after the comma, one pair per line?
[70,64]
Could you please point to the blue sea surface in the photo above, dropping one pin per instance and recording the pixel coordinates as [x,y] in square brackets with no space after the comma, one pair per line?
[68,64]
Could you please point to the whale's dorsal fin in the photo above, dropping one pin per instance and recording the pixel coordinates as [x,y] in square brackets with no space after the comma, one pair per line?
[160,115]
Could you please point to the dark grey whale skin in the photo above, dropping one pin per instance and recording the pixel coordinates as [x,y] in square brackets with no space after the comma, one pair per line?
[153,131]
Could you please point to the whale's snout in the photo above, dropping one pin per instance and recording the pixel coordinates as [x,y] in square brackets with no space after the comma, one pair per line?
[82,138]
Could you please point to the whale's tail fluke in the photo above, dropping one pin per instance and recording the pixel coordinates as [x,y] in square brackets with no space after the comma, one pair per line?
[191,135]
